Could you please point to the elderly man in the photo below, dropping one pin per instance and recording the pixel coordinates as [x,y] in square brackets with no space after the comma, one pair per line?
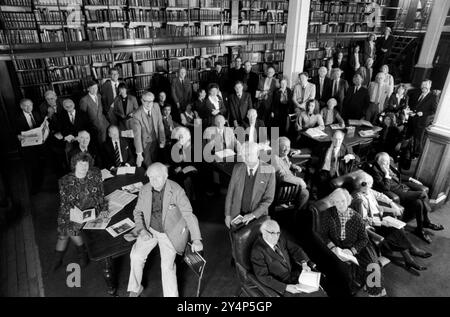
[181,92]
[83,144]
[163,216]
[239,103]
[255,128]
[266,88]
[303,91]
[250,80]
[424,106]
[339,87]
[412,195]
[124,107]
[148,130]
[252,187]
[378,95]
[323,86]
[92,105]
[71,121]
[109,92]
[276,261]
[286,171]
[116,150]
[51,106]
[219,137]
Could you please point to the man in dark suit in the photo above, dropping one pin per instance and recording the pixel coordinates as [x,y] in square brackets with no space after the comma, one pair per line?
[239,103]
[51,106]
[252,187]
[218,76]
[124,107]
[116,150]
[424,105]
[30,119]
[266,88]
[339,88]
[411,192]
[339,62]
[235,74]
[109,91]
[384,46]
[83,144]
[250,80]
[356,100]
[277,262]
[323,86]
[181,93]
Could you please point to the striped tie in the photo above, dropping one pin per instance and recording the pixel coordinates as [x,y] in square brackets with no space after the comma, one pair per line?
[117,154]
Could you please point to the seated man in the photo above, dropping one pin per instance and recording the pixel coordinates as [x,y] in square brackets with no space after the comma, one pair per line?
[330,115]
[276,261]
[252,187]
[156,199]
[116,150]
[286,171]
[84,144]
[219,137]
[412,196]
[257,132]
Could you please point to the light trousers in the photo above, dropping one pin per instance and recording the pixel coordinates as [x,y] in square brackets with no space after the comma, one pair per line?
[141,249]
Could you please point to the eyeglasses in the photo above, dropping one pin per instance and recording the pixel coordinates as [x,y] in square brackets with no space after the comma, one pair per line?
[273,232]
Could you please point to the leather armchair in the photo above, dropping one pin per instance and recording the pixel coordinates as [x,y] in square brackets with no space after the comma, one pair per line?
[241,246]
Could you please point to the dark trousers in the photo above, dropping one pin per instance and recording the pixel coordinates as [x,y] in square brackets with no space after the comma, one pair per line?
[416,200]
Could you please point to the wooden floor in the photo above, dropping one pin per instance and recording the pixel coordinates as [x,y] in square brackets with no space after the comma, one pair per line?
[20,266]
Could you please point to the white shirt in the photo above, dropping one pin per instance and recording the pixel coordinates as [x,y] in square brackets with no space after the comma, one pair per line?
[29,121]
[254,169]
[94,97]
[267,83]
[118,146]
[251,135]
[214,101]
[72,115]
[114,88]
[146,111]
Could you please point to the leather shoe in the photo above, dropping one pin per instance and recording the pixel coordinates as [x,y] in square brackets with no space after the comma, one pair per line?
[422,235]
[432,226]
[420,253]
[415,266]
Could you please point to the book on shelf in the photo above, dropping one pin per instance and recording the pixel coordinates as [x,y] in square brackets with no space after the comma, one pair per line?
[147,3]
[183,3]
[28,64]
[106,2]
[20,3]
[151,54]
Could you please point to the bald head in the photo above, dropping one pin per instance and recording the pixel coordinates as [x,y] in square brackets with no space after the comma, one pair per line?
[219,121]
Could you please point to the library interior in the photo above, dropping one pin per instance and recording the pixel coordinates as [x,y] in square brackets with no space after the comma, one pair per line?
[268,148]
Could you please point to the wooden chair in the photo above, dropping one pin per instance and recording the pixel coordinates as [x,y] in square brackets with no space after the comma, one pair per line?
[286,195]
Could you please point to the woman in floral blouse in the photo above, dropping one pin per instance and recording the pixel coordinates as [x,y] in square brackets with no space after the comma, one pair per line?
[344,233]
[82,188]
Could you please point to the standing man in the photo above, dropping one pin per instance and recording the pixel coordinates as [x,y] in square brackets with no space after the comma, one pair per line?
[339,87]
[239,104]
[148,130]
[341,64]
[378,95]
[303,91]
[163,216]
[51,106]
[218,76]
[250,80]
[109,92]
[236,73]
[266,88]
[124,107]
[181,93]
[356,101]
[252,187]
[384,47]
[92,105]
[255,128]
[323,86]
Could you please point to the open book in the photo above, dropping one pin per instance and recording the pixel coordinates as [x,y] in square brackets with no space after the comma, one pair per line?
[82,216]
[98,224]
[120,227]
[360,123]
[308,282]
[126,170]
[393,222]
[316,133]
[117,200]
[106,174]
[345,256]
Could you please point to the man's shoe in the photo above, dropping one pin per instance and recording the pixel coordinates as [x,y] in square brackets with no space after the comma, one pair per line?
[423,236]
[420,253]
[139,292]
[432,226]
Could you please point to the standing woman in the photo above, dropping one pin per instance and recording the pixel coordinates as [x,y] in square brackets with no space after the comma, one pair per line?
[214,104]
[282,105]
[82,188]
[388,79]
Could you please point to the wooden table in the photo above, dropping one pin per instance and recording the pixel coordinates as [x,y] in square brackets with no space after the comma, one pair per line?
[350,141]
[101,246]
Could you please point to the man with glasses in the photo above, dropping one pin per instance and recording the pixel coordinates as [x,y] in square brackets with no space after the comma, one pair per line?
[277,262]
[148,130]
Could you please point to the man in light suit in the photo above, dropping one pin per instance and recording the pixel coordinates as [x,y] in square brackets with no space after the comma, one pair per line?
[303,91]
[92,105]
[148,130]
[109,91]
[116,150]
[219,137]
[339,87]
[286,171]
[252,187]
[163,216]
[378,95]
[239,103]
[124,107]
[181,93]
[266,88]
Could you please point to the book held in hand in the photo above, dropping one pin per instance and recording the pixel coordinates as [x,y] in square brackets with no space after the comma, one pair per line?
[127,134]
[122,170]
[82,216]
[346,257]
[120,227]
[98,224]
[309,282]
[393,222]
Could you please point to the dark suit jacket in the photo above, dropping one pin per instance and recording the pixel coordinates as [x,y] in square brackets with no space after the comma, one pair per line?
[92,150]
[393,104]
[96,114]
[340,93]
[43,107]
[239,107]
[106,90]
[355,105]
[261,134]
[382,43]
[220,79]
[271,269]
[22,124]
[82,122]
[383,184]
[209,108]
[251,81]
[263,191]
[344,66]
[181,93]
[326,93]
[427,106]
[368,52]
[123,119]
[109,153]
[235,75]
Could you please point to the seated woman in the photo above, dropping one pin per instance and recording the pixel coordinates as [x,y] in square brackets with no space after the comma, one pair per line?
[82,189]
[398,103]
[276,261]
[366,203]
[390,137]
[330,115]
[182,169]
[343,231]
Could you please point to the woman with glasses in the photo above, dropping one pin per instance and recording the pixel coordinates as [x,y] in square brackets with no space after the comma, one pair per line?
[367,203]
[344,232]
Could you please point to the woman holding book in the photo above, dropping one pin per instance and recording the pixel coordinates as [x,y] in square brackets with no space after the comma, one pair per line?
[79,190]
[366,202]
[343,231]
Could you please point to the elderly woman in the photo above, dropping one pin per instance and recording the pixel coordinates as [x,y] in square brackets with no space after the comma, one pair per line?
[367,203]
[330,115]
[82,189]
[182,169]
[214,104]
[343,231]
[388,79]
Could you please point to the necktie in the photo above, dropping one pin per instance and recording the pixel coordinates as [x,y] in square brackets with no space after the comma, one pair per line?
[421,98]
[321,86]
[71,117]
[335,87]
[278,251]
[251,172]
[117,154]
[303,94]
[33,123]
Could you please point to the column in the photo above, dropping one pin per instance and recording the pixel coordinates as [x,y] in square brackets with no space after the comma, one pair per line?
[436,23]
[434,165]
[297,31]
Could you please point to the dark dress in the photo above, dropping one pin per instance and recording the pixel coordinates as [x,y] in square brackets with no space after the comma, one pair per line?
[84,193]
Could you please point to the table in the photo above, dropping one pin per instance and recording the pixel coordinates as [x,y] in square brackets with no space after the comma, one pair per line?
[350,141]
[101,246]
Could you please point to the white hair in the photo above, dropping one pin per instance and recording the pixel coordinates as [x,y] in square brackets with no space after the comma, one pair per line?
[269,225]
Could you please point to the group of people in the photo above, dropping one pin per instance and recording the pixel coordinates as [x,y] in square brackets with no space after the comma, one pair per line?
[109,129]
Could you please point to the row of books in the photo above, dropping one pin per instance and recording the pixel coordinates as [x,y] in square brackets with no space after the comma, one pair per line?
[75,72]
[263,16]
[143,82]
[21,3]
[31,78]
[33,91]
[266,5]
[106,33]
[262,29]
[102,58]
[192,75]
[125,69]
[143,15]
[22,36]
[209,30]
[3,39]
[61,3]
[106,15]
[68,89]
[107,2]
[183,3]
[147,3]
[196,51]
[206,63]
[225,4]
[192,63]
[67,61]
[152,54]
[69,35]
[21,20]
[124,56]
[334,28]
[29,64]
[150,66]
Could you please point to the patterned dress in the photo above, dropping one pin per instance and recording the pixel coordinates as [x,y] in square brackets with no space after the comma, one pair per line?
[84,193]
